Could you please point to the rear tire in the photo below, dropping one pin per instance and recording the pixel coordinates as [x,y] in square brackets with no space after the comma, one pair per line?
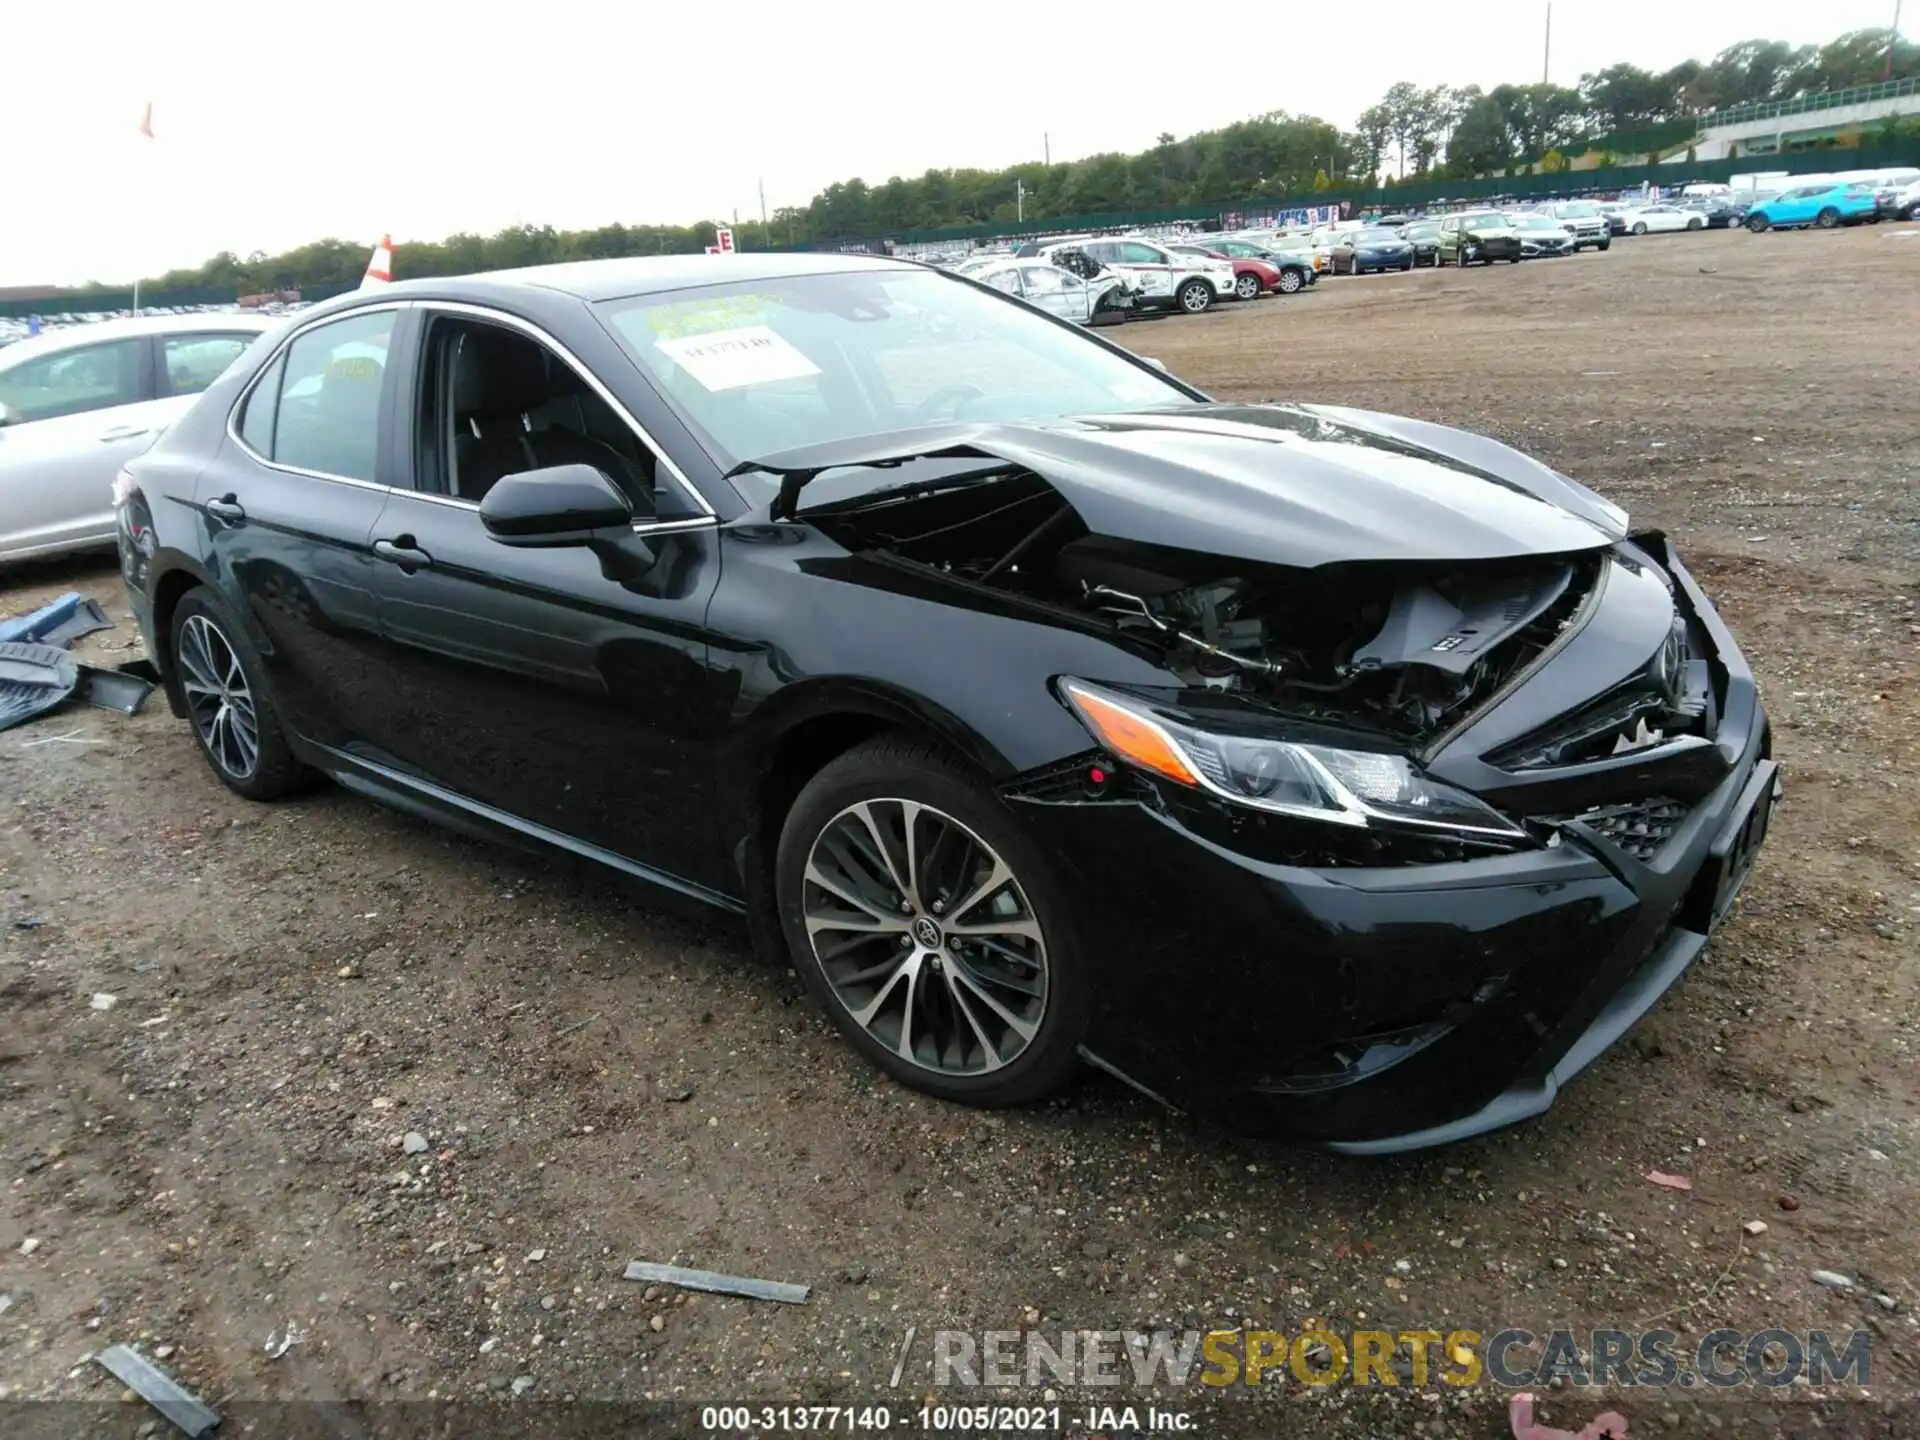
[1034,972]
[1827,218]
[1247,287]
[235,718]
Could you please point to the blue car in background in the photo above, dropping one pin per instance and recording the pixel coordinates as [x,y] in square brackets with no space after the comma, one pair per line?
[1822,205]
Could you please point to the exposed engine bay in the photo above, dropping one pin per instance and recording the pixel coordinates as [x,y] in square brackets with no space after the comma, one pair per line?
[1402,648]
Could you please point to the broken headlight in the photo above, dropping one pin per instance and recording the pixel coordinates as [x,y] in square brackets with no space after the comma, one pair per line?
[1312,782]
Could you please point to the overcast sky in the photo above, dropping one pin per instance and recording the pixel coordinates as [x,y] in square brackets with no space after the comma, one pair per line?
[277,125]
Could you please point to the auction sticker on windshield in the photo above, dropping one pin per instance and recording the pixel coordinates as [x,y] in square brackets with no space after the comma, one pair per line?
[729,359]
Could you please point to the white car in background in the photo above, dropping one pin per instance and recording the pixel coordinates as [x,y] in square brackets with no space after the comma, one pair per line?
[1651,219]
[1165,279]
[78,402]
[1057,290]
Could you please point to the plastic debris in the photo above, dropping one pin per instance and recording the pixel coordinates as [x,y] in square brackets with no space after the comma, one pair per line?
[278,1344]
[60,622]
[33,679]
[717,1284]
[1671,1182]
[158,1389]
[103,1001]
[1608,1425]
[113,690]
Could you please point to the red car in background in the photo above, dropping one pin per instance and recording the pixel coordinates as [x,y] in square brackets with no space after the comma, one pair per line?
[1250,277]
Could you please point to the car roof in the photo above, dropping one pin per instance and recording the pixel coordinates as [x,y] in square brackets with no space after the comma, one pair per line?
[67,337]
[647,274]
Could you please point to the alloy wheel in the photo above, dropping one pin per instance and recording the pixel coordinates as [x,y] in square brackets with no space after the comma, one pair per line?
[925,936]
[1289,281]
[218,697]
[1247,287]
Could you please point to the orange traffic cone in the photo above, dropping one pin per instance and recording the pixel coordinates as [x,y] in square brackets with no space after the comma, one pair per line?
[380,265]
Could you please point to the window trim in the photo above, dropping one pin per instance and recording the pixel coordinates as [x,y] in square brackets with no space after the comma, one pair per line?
[662,460]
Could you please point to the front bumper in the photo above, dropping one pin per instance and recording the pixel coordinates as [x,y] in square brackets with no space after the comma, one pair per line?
[1381,1009]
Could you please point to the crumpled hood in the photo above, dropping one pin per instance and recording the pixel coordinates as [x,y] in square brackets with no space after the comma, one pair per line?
[1302,486]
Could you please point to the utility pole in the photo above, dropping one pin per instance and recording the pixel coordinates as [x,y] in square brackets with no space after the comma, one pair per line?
[1046,146]
[1019,200]
[763,208]
[1546,54]
[1893,39]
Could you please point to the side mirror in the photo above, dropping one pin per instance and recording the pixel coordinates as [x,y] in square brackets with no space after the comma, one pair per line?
[7,417]
[1157,364]
[560,505]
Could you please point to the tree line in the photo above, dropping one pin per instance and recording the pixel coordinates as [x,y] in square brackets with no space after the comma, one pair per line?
[1436,133]
[1624,109]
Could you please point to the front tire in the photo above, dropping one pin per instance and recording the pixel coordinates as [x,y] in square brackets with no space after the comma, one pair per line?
[1640,227]
[236,719]
[1196,296]
[1757,223]
[1605,245]
[931,928]
[1696,224]
[1291,282]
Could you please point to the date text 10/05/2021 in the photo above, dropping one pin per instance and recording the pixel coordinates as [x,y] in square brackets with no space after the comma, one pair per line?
[958,1420]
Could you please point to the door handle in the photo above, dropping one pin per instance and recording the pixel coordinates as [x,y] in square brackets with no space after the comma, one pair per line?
[123,432]
[227,509]
[403,552]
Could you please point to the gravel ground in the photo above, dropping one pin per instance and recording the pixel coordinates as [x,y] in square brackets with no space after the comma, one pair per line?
[421,1100]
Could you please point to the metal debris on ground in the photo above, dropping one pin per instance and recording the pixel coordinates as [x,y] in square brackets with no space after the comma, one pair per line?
[157,1388]
[717,1284]
[278,1344]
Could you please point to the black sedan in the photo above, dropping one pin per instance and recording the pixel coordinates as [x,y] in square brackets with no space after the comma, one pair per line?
[1424,237]
[1323,770]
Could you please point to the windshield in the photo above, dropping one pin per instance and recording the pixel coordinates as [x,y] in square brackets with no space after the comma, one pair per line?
[760,367]
[1578,210]
[1379,237]
[1485,220]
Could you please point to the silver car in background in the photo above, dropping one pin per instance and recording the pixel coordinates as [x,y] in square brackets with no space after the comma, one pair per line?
[1056,289]
[79,402]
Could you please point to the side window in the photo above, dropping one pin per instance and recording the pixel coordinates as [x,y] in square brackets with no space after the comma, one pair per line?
[496,402]
[256,422]
[1103,251]
[190,363]
[1007,280]
[1049,281]
[72,382]
[328,419]
[1132,252]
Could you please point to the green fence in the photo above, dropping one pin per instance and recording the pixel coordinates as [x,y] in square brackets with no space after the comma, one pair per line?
[1809,104]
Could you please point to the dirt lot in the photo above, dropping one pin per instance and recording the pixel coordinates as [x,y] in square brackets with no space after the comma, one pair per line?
[224,1154]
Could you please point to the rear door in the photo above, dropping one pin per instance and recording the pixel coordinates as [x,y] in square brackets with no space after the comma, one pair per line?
[78,414]
[527,680]
[1058,292]
[289,507]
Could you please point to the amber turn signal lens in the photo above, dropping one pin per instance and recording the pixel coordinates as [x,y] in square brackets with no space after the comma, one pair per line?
[1131,737]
